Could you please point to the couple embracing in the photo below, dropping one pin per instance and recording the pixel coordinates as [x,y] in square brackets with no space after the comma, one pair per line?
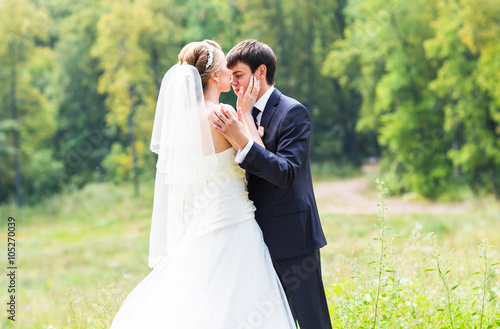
[229,252]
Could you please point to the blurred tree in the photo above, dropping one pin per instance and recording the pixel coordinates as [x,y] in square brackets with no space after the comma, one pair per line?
[127,79]
[25,110]
[416,66]
[81,141]
[382,58]
[301,35]
[481,33]
[163,38]
[414,80]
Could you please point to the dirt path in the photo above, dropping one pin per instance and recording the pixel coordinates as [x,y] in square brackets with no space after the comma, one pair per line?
[357,196]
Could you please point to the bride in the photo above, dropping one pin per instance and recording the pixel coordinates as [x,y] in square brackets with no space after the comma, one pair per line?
[211,268]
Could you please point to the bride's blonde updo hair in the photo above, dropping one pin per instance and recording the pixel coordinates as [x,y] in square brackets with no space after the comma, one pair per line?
[196,54]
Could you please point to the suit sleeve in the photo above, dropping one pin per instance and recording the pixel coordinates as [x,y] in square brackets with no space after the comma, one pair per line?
[281,168]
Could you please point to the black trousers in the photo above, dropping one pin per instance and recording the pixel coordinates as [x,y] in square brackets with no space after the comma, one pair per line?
[303,285]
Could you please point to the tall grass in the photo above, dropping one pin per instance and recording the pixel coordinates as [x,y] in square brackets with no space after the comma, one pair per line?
[327,171]
[382,230]
[414,282]
[80,254]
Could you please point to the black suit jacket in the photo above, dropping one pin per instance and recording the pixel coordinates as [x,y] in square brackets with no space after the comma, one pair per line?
[279,180]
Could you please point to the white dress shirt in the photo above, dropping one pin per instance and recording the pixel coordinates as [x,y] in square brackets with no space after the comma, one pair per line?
[260,105]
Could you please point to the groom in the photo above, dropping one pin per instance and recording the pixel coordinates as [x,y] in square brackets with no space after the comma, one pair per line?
[279,182]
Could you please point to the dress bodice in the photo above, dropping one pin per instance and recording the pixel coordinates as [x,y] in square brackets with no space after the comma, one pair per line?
[226,166]
[224,201]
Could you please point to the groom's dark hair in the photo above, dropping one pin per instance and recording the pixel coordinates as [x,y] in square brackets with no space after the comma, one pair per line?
[253,53]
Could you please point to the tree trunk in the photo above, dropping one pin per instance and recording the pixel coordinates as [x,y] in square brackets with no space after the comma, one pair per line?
[155,64]
[340,18]
[231,34]
[310,60]
[283,64]
[17,146]
[456,169]
[131,140]
[493,164]
[494,179]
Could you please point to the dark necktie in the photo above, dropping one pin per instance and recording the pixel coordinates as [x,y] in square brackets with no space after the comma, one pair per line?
[255,112]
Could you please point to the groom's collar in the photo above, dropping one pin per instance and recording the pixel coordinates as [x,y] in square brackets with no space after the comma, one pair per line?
[261,103]
[270,108]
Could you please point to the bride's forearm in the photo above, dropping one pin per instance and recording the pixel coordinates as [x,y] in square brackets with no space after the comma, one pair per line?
[258,139]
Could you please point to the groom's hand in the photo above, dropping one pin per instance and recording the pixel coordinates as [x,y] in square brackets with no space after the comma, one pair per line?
[225,121]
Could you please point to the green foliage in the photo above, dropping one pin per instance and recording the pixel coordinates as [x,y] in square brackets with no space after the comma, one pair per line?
[27,116]
[415,82]
[468,107]
[82,139]
[118,164]
[409,281]
[420,67]
[485,292]
[326,171]
[126,81]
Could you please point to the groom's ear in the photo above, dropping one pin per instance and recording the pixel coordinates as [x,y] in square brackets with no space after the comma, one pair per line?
[261,72]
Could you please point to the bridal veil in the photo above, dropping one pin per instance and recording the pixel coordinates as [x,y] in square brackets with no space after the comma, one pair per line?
[181,137]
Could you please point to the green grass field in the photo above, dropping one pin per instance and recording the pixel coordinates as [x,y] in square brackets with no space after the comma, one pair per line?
[79,255]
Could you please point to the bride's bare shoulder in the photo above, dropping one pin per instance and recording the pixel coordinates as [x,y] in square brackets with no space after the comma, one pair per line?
[220,142]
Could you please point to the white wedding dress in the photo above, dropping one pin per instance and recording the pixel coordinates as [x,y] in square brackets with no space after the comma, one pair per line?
[220,276]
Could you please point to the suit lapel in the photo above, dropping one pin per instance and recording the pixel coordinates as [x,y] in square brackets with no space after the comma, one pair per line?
[267,115]
[270,108]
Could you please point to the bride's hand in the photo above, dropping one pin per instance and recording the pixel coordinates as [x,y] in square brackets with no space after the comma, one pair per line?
[247,100]
[226,121]
[261,131]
